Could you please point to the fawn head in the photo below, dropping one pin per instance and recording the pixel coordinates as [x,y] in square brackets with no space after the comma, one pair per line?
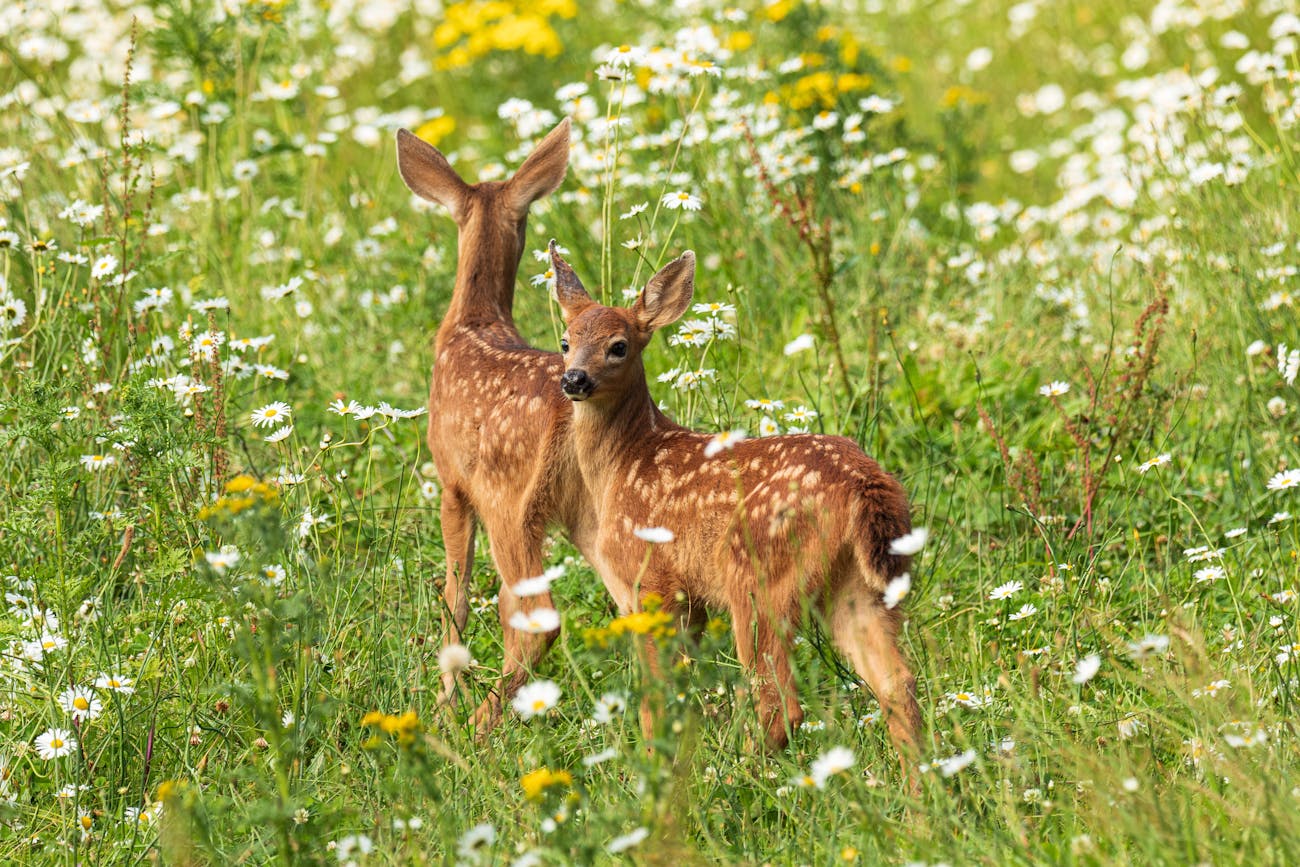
[602,345]
[492,208]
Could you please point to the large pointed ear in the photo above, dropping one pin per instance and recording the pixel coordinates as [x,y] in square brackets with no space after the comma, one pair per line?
[569,290]
[428,174]
[667,295]
[543,171]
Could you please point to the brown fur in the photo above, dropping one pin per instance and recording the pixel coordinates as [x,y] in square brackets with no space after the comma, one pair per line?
[761,529]
[498,422]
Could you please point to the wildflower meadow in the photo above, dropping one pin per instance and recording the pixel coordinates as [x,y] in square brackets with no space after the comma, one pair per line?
[1040,260]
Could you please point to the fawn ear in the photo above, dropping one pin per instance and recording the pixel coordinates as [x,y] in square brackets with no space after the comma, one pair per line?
[666,296]
[428,174]
[569,291]
[543,171]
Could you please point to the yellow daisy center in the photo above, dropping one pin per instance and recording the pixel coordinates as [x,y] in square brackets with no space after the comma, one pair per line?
[56,743]
[80,703]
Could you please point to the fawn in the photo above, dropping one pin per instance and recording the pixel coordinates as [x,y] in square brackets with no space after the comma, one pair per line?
[498,423]
[757,529]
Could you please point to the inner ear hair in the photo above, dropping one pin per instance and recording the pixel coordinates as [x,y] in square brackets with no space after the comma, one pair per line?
[569,292]
[667,294]
[426,172]
[543,171]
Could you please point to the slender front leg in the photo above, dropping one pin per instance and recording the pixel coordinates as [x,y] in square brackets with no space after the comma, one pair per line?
[648,647]
[458,542]
[518,555]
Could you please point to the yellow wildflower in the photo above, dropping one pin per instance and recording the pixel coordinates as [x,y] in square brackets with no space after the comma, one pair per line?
[537,782]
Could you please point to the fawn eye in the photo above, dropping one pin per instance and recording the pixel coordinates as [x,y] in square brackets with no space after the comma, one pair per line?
[619,349]
[564,345]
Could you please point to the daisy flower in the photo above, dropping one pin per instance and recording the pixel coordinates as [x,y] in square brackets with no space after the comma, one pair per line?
[55,744]
[1029,609]
[80,703]
[535,698]
[1149,645]
[724,441]
[1054,389]
[338,407]
[801,415]
[94,463]
[1086,669]
[538,621]
[454,658]
[280,434]
[538,585]
[627,841]
[271,414]
[897,590]
[103,267]
[608,706]
[680,199]
[1006,591]
[1285,479]
[800,344]
[224,559]
[955,764]
[476,841]
[834,761]
[1157,461]
[909,544]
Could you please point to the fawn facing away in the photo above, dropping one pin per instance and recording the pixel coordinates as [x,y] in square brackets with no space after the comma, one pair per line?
[498,423]
[758,529]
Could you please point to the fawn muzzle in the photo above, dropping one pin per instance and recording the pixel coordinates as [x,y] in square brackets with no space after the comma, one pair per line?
[577,385]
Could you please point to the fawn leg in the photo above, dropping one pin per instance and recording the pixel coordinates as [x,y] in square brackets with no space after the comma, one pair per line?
[762,649]
[867,633]
[651,705]
[518,555]
[458,543]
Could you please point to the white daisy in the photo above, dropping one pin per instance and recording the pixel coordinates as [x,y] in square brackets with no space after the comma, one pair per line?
[271,414]
[535,698]
[55,744]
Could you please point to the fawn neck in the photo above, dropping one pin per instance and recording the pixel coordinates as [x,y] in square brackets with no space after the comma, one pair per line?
[489,249]
[610,432]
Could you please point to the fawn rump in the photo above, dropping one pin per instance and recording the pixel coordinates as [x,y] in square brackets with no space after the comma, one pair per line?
[498,423]
[763,528]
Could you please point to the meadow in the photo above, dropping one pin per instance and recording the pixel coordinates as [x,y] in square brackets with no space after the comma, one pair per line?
[1039,259]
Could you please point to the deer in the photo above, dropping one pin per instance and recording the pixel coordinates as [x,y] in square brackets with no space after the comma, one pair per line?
[498,428]
[761,529]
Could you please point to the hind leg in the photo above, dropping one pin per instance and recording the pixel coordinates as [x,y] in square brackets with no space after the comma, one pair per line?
[867,633]
[458,543]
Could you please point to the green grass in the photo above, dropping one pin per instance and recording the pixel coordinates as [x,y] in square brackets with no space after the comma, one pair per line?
[1118,263]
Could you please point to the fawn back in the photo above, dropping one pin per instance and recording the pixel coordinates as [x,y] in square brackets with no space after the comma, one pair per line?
[764,528]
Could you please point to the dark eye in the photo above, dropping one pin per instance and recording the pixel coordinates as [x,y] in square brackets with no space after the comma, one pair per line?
[618,350]
[564,345]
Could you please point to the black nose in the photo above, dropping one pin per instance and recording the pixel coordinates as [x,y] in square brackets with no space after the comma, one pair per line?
[576,383]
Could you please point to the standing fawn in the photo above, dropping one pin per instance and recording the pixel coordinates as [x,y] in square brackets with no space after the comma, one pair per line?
[498,423]
[758,529]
